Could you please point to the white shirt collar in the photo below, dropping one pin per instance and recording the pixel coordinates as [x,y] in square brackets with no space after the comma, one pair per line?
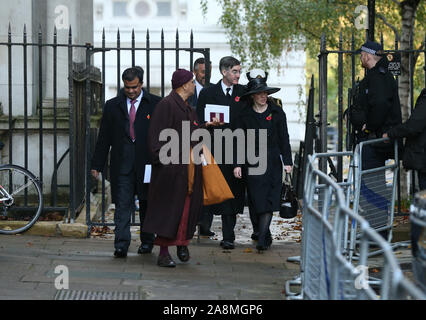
[138,101]
[198,87]
[224,88]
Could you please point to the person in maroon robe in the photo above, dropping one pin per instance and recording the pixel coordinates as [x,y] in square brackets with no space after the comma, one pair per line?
[174,208]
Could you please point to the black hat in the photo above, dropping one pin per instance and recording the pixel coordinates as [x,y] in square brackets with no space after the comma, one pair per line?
[256,85]
[371,47]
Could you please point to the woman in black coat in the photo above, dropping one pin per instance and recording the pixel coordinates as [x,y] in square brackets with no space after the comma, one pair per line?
[264,189]
[414,129]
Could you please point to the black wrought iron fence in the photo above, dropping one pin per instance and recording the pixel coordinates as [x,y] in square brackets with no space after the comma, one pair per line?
[40,129]
[132,55]
[316,129]
[45,134]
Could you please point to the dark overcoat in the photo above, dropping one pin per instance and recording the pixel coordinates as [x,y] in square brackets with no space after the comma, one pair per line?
[265,189]
[379,101]
[378,97]
[169,182]
[114,136]
[215,95]
[414,129]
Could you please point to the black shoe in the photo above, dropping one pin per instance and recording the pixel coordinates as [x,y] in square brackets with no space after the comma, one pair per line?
[255,236]
[268,241]
[206,233]
[145,248]
[182,253]
[260,249]
[166,261]
[227,244]
[120,253]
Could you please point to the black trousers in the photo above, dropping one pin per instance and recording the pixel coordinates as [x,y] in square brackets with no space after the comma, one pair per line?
[228,225]
[207,217]
[124,208]
[229,221]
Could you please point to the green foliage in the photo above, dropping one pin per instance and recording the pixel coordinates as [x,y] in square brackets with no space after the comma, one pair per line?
[259,31]
[204,7]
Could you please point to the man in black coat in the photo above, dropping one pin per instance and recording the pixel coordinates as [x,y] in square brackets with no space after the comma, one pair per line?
[226,92]
[200,80]
[414,129]
[200,83]
[377,105]
[124,129]
[376,110]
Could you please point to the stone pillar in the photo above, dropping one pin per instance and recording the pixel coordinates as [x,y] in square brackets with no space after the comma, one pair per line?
[18,13]
[62,14]
[40,15]
[45,14]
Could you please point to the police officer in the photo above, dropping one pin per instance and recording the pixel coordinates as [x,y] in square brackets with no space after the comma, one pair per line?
[376,106]
[376,109]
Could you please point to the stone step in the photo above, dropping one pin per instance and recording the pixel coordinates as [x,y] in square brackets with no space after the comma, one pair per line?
[62,107]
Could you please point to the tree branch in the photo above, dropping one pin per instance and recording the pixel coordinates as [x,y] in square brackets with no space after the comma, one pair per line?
[397,2]
[379,15]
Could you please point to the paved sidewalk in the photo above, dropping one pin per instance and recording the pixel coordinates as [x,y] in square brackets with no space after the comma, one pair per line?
[27,268]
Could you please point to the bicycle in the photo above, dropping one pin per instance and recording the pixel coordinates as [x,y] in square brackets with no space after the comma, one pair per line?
[21,199]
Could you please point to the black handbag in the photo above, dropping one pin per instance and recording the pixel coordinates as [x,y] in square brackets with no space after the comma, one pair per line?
[288,202]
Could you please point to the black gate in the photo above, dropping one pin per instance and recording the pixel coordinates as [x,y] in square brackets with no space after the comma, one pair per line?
[316,129]
[148,51]
[33,133]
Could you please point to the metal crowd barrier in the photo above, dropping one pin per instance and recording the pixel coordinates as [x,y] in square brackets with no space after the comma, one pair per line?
[326,271]
[418,238]
[374,195]
[353,282]
[318,201]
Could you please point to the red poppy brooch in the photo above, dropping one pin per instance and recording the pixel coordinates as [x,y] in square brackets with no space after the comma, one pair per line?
[148,117]
[237,98]
[269,118]
[195,123]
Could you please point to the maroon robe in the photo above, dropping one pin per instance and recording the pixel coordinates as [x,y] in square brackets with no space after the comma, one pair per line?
[169,183]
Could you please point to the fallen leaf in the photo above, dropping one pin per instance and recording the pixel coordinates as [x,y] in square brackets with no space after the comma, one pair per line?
[248,250]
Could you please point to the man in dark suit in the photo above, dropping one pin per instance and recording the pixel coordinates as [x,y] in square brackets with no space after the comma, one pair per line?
[124,129]
[226,92]
[200,83]
[200,80]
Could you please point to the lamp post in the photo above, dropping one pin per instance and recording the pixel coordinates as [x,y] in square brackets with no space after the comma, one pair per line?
[371,18]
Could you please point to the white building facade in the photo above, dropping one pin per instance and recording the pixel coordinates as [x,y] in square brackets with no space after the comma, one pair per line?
[183,16]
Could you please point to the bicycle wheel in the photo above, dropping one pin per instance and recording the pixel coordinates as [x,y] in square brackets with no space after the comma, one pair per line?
[21,199]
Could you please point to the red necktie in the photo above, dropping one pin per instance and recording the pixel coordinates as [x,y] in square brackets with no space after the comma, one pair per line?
[132,116]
